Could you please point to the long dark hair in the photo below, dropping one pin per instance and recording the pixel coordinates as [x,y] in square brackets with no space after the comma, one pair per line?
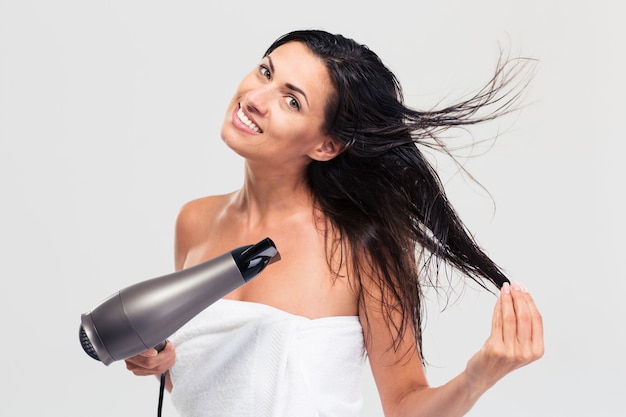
[383,199]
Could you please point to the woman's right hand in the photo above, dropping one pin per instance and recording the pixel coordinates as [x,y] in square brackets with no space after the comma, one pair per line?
[152,362]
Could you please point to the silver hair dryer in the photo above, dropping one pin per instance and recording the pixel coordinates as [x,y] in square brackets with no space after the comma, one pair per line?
[144,315]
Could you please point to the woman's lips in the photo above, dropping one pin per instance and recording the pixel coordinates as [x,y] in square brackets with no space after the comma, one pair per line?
[242,117]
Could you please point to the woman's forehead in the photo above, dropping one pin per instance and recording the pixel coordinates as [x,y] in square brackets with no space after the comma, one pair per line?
[296,64]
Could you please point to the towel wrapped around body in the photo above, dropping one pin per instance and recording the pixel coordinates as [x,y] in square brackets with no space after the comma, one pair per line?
[240,359]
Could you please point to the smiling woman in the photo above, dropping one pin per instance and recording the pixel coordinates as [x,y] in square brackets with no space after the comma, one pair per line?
[279,108]
[335,175]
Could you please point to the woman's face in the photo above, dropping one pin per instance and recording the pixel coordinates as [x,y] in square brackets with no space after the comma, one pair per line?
[277,112]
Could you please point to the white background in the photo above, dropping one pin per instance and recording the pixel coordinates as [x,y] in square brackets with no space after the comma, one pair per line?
[109,121]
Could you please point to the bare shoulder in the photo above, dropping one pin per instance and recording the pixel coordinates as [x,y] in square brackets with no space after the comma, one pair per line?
[195,221]
[201,210]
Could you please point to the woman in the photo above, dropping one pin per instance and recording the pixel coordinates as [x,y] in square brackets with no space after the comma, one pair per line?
[335,177]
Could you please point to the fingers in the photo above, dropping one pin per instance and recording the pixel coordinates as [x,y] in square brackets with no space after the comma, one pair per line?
[509,320]
[522,326]
[152,362]
[536,319]
[496,321]
[522,314]
[516,337]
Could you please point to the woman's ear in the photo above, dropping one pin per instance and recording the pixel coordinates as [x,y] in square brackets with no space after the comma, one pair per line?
[327,150]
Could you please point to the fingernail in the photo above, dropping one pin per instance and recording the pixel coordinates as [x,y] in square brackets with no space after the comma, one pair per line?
[516,286]
[506,289]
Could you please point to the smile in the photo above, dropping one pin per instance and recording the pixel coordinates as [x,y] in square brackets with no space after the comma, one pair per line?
[244,119]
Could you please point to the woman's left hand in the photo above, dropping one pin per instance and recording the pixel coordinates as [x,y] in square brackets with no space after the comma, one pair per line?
[516,338]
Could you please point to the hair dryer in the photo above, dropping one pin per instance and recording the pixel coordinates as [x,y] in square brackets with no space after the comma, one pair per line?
[144,315]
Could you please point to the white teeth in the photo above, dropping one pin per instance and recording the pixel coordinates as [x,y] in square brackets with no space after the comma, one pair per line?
[246,121]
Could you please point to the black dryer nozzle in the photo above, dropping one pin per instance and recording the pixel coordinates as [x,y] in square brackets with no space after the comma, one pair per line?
[253,259]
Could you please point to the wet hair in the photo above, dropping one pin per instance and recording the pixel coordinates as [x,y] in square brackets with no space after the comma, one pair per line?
[383,200]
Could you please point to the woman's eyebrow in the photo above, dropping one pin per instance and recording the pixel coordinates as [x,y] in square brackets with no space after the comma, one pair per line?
[289,85]
[298,90]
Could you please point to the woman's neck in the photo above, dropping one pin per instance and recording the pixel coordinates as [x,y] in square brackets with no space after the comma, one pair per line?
[266,195]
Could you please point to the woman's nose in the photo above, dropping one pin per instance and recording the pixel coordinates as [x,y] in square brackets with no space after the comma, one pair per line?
[257,100]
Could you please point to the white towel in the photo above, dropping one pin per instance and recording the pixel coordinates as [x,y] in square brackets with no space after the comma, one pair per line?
[239,359]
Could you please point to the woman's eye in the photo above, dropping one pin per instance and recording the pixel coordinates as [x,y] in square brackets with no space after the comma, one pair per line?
[265,72]
[293,103]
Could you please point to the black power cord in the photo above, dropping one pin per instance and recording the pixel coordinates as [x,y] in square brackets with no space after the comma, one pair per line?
[159,348]
[161,392]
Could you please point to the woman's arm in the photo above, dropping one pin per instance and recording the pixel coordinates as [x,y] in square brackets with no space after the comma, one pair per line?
[516,339]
